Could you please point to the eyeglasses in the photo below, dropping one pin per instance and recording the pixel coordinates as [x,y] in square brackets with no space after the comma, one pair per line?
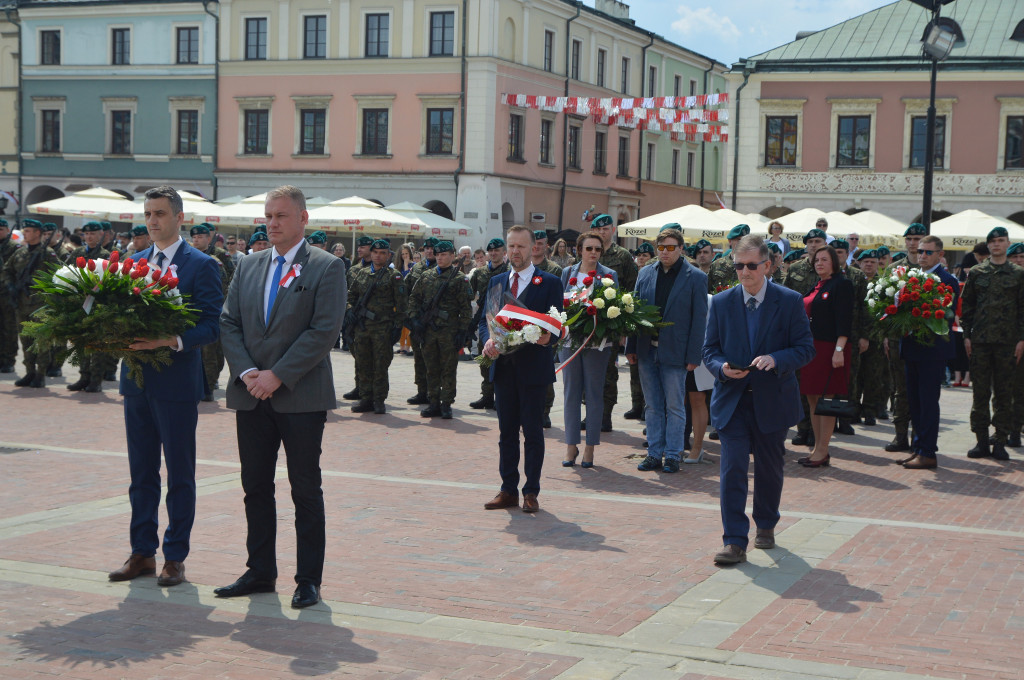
[929,253]
[853,238]
[669,248]
[752,266]
[593,249]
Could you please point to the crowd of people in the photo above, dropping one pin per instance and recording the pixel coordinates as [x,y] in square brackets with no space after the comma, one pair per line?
[759,338]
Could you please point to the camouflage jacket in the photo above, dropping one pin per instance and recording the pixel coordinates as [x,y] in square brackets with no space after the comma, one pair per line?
[993,303]
[722,274]
[453,306]
[16,271]
[387,305]
[417,272]
[222,256]
[7,248]
[621,262]
[860,325]
[551,267]
[801,277]
[481,278]
[98,253]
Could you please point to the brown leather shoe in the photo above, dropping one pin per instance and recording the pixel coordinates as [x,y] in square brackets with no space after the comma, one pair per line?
[904,461]
[731,554]
[765,539]
[530,503]
[172,574]
[503,500]
[134,566]
[921,463]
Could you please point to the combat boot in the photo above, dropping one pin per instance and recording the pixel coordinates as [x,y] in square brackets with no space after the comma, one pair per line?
[606,423]
[26,381]
[351,395]
[418,398]
[38,380]
[803,438]
[898,443]
[633,413]
[482,402]
[843,426]
[379,408]
[54,372]
[431,411]
[446,411]
[78,385]
[95,385]
[999,452]
[1013,440]
[364,406]
[883,414]
[869,420]
[981,450]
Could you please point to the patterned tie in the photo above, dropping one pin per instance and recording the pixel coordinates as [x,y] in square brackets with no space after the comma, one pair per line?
[751,304]
[278,272]
[515,284]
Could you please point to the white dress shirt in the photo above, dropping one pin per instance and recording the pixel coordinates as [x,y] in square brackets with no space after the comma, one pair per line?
[525,278]
[169,253]
[289,258]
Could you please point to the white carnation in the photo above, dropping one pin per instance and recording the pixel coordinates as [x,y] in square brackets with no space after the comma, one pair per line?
[532,333]
[901,285]
[64,273]
[599,303]
[613,312]
[890,291]
[609,293]
[607,282]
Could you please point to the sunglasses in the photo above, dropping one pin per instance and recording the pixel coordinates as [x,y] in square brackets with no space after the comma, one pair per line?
[669,248]
[752,266]
[593,249]
[929,253]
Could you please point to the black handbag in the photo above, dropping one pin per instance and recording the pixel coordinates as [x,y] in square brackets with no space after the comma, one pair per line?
[835,406]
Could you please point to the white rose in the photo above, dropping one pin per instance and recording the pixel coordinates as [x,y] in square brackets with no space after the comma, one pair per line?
[613,312]
[531,333]
[901,285]
[609,293]
[64,273]
[599,303]
[607,282]
[890,291]
[627,299]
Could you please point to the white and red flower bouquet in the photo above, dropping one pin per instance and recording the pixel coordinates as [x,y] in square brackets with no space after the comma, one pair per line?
[512,326]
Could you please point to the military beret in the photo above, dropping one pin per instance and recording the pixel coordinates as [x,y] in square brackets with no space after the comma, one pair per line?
[49,226]
[899,256]
[262,228]
[671,225]
[123,234]
[92,226]
[601,220]
[430,242]
[140,230]
[1015,249]
[199,229]
[701,244]
[882,251]
[444,247]
[364,241]
[645,248]
[257,236]
[867,254]
[717,256]
[3,222]
[815,233]
[540,235]
[691,251]
[31,224]
[794,254]
[317,237]
[774,248]
[380,244]
[106,226]
[739,231]
[996,233]
[916,229]
[840,244]
[495,243]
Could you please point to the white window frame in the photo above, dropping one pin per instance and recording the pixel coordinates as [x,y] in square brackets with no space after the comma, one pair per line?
[438,101]
[427,11]
[176,104]
[40,104]
[787,107]
[1008,106]
[842,106]
[391,31]
[174,42]
[111,104]
[244,36]
[244,104]
[321,101]
[131,43]
[374,101]
[914,108]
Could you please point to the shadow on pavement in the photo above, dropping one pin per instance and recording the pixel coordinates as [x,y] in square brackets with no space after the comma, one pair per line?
[545,529]
[829,590]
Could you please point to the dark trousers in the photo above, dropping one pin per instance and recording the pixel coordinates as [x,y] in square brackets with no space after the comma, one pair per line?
[739,437]
[924,386]
[261,432]
[152,423]
[519,406]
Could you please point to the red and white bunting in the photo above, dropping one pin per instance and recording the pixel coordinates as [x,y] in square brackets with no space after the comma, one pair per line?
[714,136]
[590,105]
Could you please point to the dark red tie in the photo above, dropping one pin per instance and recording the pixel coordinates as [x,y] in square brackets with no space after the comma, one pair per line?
[515,284]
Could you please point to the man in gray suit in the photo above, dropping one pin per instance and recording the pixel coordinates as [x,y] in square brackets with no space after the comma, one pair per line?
[281,318]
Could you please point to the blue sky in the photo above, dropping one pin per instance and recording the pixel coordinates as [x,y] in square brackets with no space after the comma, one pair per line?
[727,30]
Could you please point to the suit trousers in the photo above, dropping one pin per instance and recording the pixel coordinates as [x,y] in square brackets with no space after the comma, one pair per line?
[519,406]
[151,422]
[585,374]
[924,387]
[739,437]
[261,432]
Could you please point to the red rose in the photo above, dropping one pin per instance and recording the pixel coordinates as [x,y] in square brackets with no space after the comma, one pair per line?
[929,284]
[588,280]
[913,279]
[572,281]
[592,272]
[925,307]
[940,314]
[915,296]
[948,300]
[80,263]
[115,256]
[592,310]
[915,311]
[926,314]
[891,309]
[566,303]
[136,290]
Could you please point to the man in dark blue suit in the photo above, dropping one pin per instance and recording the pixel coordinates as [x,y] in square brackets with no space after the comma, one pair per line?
[925,367]
[758,336]
[521,378]
[164,412]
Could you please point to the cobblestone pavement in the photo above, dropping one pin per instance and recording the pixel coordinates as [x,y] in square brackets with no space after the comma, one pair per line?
[881,573]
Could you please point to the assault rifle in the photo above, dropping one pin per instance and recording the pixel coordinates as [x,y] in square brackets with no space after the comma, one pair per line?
[359,314]
[418,326]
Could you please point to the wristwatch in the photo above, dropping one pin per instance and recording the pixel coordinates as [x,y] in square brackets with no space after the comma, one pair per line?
[838,348]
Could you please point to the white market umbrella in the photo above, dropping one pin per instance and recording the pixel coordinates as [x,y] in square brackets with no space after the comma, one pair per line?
[796,225]
[965,229]
[97,203]
[881,225]
[437,225]
[355,214]
[696,222]
[246,213]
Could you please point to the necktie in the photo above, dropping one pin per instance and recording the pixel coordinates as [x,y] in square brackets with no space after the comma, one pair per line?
[515,284]
[278,272]
[751,304]
[752,323]
[160,260]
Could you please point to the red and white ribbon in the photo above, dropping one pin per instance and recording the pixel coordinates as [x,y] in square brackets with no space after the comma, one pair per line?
[293,273]
[548,323]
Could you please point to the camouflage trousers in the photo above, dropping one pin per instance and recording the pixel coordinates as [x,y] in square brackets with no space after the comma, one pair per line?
[372,351]
[94,366]
[35,362]
[992,372]
[871,379]
[900,404]
[636,392]
[486,386]
[419,368]
[441,360]
[213,364]
[8,332]
[611,382]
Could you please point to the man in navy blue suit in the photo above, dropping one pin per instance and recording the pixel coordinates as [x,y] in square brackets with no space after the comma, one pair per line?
[521,378]
[164,412]
[925,367]
[757,337]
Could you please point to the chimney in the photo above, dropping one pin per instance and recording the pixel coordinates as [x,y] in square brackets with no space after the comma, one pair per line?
[619,10]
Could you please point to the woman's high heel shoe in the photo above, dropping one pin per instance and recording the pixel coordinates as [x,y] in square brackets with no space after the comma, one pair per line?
[572,461]
[588,463]
[824,462]
[694,461]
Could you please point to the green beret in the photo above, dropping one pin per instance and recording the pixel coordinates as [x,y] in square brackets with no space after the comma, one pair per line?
[258,236]
[774,248]
[444,247]
[671,225]
[140,230]
[49,226]
[882,251]
[317,237]
[106,226]
[92,226]
[916,229]
[380,244]
[199,229]
[815,233]
[601,220]
[262,228]
[540,235]
[31,224]
[364,241]
[3,222]
[840,244]
[430,242]
[794,254]
[1015,249]
[495,243]
[899,256]
[645,248]
[691,251]
[866,254]
[717,256]
[996,233]
[739,231]
[701,244]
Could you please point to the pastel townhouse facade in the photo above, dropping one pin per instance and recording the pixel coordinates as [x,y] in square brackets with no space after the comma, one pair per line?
[118,95]
[837,120]
[402,101]
[8,102]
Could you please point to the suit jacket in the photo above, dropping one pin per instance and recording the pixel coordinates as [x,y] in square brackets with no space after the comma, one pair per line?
[832,310]
[943,349]
[783,332]
[199,278]
[535,364]
[686,309]
[296,343]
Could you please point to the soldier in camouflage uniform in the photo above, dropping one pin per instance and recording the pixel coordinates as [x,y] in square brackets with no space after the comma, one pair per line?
[802,278]
[318,239]
[1016,256]
[478,282]
[16,282]
[544,263]
[140,238]
[8,318]
[107,239]
[643,254]
[721,273]
[213,353]
[870,388]
[775,272]
[362,260]
[54,239]
[93,366]
[443,293]
[418,366]
[858,327]
[618,259]
[993,321]
[379,323]
[703,253]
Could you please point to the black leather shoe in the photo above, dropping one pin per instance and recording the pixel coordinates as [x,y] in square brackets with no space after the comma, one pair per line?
[418,398]
[980,451]
[482,402]
[306,595]
[883,414]
[364,406]
[26,381]
[606,423]
[247,584]
[633,413]
[38,381]
[713,436]
[649,463]
[432,411]
[899,443]
[801,439]
[547,422]
[351,395]
[446,411]
[207,397]
[94,386]
[844,427]
[999,452]
[379,408]
[731,554]
[869,420]
[78,385]
[54,373]
[1013,441]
